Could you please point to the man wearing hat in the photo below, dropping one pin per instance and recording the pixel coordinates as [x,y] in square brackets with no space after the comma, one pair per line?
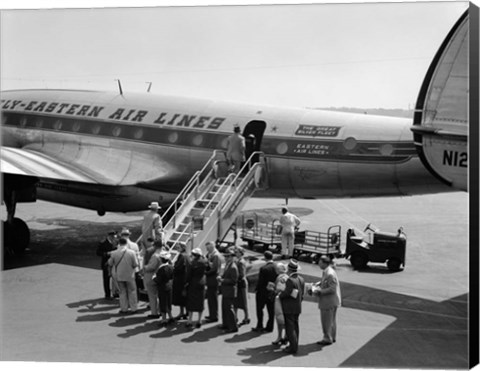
[329,299]
[152,223]
[124,262]
[104,249]
[214,260]
[291,299]
[265,293]
[236,149]
[228,286]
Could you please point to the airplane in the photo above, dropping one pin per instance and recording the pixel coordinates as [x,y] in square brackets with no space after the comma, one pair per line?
[117,152]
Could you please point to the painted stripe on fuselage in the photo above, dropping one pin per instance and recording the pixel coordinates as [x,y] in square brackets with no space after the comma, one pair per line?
[298,148]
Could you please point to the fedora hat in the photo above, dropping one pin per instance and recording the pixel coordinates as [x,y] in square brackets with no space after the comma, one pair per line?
[125,232]
[154,205]
[293,265]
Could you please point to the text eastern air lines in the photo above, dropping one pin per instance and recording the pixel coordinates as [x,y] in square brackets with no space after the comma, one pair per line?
[123,114]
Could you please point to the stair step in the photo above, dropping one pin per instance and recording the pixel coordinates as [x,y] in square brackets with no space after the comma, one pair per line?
[202,204]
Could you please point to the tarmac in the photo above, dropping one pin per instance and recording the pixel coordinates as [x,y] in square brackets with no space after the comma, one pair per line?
[52,307]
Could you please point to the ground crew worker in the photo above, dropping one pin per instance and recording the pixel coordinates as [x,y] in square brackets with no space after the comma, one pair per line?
[236,149]
[289,222]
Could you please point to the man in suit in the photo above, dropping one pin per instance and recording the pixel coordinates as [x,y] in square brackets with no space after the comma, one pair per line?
[291,299]
[213,270]
[329,299]
[124,262]
[265,293]
[236,149]
[228,285]
[104,249]
[152,223]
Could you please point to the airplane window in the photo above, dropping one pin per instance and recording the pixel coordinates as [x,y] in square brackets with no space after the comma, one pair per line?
[96,129]
[386,149]
[282,148]
[198,140]
[76,126]
[117,131]
[57,125]
[138,134]
[173,137]
[23,121]
[350,143]
[38,123]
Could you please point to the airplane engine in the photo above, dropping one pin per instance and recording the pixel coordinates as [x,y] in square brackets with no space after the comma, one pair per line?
[441,116]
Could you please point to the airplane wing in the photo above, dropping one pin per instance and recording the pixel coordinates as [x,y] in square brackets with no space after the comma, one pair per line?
[85,164]
[441,119]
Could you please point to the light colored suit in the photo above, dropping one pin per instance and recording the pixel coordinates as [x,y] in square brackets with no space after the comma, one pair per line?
[124,262]
[236,150]
[329,299]
[150,285]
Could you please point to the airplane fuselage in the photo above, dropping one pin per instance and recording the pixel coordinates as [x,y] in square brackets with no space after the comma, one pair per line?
[143,147]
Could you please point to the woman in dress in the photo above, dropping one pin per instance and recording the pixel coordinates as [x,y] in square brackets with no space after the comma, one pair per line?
[280,284]
[179,295]
[242,285]
[195,284]
[164,278]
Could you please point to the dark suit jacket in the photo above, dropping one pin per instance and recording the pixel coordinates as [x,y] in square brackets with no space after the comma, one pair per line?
[213,268]
[103,249]
[229,281]
[164,277]
[292,305]
[268,273]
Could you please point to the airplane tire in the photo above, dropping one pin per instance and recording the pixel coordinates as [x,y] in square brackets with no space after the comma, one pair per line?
[393,264]
[358,260]
[17,236]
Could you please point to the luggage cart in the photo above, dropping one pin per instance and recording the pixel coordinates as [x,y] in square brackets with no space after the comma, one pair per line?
[315,244]
[256,232]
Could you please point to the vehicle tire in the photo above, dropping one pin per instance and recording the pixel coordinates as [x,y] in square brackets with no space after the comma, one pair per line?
[393,264]
[251,244]
[358,260]
[16,236]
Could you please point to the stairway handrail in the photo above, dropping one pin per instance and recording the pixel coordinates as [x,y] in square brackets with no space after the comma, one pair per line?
[186,191]
[231,180]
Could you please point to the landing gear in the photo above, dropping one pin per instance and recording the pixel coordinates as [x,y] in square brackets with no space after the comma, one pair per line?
[16,236]
[15,230]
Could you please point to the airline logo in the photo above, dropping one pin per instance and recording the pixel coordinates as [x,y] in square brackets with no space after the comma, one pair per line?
[317,131]
[178,119]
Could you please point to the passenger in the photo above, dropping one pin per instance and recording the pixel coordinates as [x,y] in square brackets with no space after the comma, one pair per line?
[280,284]
[147,250]
[236,149]
[125,233]
[241,301]
[195,284]
[214,260]
[329,299]
[152,223]
[149,270]
[164,278]
[289,223]
[291,299]
[104,249]
[228,286]
[265,293]
[124,262]
[179,293]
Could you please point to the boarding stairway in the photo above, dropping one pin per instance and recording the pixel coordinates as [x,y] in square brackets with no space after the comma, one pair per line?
[211,201]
